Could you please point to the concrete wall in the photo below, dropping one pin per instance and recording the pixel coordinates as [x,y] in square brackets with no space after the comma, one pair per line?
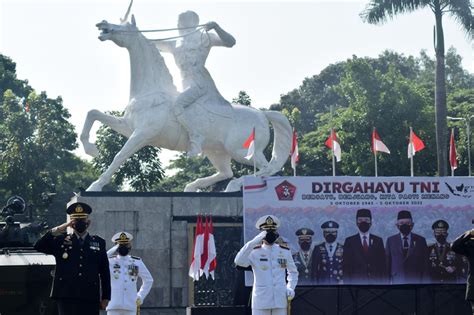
[159,224]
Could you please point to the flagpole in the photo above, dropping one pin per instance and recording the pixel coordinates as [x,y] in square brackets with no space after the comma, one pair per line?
[452,168]
[254,151]
[332,145]
[375,152]
[411,152]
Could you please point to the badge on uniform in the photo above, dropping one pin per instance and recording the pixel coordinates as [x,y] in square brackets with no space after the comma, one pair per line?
[282,262]
[94,246]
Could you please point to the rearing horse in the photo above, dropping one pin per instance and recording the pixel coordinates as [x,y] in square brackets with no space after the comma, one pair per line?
[149,119]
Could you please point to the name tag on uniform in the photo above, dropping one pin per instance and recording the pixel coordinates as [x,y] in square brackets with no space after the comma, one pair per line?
[94,246]
[263,259]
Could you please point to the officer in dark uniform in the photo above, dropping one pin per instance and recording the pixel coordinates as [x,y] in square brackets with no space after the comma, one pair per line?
[464,245]
[303,256]
[327,259]
[81,283]
[445,265]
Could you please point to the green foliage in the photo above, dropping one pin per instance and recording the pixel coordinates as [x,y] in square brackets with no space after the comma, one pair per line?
[243,99]
[141,171]
[36,146]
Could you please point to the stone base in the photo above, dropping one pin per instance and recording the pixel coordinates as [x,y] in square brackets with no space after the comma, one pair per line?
[162,227]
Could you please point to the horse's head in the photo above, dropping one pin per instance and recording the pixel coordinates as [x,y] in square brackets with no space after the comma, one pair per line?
[121,34]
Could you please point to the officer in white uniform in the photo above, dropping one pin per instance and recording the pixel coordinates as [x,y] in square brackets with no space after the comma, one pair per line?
[272,265]
[124,272]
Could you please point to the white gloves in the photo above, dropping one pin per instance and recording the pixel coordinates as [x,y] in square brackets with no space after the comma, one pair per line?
[139,300]
[290,293]
[257,239]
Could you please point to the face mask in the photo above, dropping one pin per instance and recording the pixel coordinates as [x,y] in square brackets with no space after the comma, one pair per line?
[330,238]
[441,238]
[405,229]
[123,250]
[305,246]
[363,226]
[271,237]
[80,226]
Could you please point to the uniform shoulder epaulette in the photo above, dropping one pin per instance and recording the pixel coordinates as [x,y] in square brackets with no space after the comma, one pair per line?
[113,256]
[284,246]
[257,247]
[135,257]
[96,237]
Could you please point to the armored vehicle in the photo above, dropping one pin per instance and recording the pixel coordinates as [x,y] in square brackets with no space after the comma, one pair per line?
[25,275]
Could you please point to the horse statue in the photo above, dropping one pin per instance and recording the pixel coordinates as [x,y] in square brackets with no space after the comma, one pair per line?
[149,119]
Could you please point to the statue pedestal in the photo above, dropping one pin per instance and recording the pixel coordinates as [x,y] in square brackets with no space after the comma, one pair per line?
[162,225]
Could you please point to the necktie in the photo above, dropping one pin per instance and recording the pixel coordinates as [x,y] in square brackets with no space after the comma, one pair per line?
[330,248]
[365,246]
[405,246]
[81,241]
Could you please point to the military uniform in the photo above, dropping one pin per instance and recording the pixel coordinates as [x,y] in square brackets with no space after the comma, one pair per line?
[303,258]
[125,271]
[444,265]
[327,258]
[82,277]
[270,265]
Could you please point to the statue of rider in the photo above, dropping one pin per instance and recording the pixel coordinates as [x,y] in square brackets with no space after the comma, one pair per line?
[190,53]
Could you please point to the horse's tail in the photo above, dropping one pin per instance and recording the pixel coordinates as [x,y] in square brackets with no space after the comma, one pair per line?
[282,138]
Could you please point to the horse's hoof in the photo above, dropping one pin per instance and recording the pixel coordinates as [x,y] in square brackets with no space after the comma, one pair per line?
[91,149]
[95,186]
[190,188]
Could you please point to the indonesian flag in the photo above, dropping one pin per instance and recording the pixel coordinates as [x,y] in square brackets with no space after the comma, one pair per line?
[250,145]
[205,250]
[377,144]
[452,152]
[415,144]
[295,157]
[197,251]
[211,263]
[332,139]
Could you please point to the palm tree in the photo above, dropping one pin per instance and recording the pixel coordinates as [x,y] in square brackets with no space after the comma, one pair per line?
[378,11]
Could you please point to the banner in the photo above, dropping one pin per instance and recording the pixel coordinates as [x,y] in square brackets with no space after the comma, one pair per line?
[366,230]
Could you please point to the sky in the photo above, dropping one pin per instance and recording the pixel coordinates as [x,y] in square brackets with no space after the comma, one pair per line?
[279,43]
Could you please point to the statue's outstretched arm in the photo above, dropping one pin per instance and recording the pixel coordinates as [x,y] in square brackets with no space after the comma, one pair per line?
[223,39]
[164,45]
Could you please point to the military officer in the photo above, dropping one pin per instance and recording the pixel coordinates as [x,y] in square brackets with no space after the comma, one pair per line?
[270,262]
[303,256]
[124,272]
[464,245]
[81,283]
[327,257]
[445,265]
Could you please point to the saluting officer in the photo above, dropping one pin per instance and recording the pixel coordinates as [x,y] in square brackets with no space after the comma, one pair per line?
[303,256]
[81,283]
[445,265]
[272,267]
[124,273]
[328,257]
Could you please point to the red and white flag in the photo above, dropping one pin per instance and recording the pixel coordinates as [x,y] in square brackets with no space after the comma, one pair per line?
[250,145]
[295,157]
[205,250]
[194,269]
[377,144]
[333,144]
[415,144]
[211,257]
[452,152]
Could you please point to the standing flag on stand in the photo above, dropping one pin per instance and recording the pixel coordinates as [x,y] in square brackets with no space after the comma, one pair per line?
[377,146]
[452,153]
[294,152]
[205,250]
[414,146]
[211,257]
[194,269]
[333,144]
[250,145]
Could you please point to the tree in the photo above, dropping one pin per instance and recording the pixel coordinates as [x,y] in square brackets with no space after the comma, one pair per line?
[36,144]
[243,99]
[141,171]
[378,11]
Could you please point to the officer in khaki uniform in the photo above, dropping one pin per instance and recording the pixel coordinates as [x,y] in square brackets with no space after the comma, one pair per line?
[81,282]
[124,273]
[272,267]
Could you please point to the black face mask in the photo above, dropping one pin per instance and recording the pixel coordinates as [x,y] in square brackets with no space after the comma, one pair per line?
[123,250]
[441,238]
[80,226]
[271,237]
[405,229]
[330,238]
[363,226]
[305,246]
